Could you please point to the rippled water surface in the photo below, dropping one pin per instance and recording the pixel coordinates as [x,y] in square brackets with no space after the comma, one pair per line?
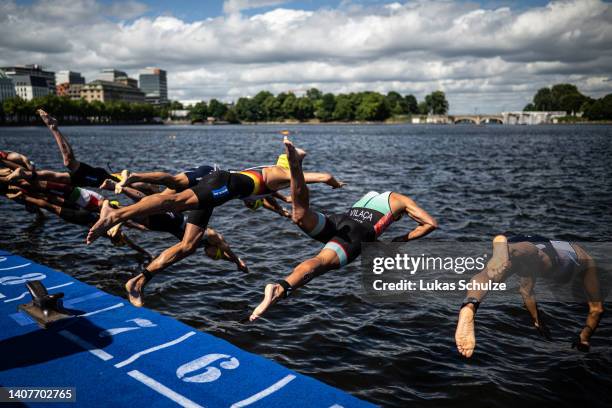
[476,180]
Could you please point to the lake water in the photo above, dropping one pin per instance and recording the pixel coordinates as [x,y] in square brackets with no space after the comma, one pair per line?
[475,180]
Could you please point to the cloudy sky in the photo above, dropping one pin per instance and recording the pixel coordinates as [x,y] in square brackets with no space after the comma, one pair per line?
[488,56]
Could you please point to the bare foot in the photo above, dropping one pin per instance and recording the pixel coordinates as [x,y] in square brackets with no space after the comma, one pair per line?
[293,153]
[49,120]
[464,335]
[125,180]
[108,184]
[500,260]
[134,290]
[105,222]
[272,293]
[4,173]
[16,175]
[15,195]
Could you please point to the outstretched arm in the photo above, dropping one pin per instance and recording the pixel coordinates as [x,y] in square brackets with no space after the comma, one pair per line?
[282,197]
[426,222]
[324,178]
[124,239]
[20,159]
[215,239]
[592,290]
[271,204]
[526,288]
[131,193]
[527,283]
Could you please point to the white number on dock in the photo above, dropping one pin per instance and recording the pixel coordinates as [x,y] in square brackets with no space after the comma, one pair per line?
[140,323]
[211,373]
[18,280]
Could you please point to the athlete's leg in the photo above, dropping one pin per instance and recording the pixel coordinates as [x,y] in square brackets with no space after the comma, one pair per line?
[156,203]
[176,182]
[189,244]
[43,175]
[326,260]
[301,214]
[497,269]
[65,149]
[40,203]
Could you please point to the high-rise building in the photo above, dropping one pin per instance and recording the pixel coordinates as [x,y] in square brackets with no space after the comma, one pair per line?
[154,84]
[34,71]
[29,87]
[69,77]
[7,87]
[105,91]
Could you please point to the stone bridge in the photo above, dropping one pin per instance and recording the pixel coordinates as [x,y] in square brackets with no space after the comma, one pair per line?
[477,119]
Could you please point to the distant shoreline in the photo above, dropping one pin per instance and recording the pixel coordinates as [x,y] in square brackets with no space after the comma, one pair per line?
[297,123]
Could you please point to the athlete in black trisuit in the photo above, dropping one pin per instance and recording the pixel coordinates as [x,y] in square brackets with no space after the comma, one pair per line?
[175,223]
[80,174]
[189,178]
[342,234]
[532,257]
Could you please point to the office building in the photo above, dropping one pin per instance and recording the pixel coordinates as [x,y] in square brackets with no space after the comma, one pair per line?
[69,77]
[34,71]
[29,87]
[7,87]
[154,84]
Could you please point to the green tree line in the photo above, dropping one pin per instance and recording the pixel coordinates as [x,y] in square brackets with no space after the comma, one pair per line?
[567,97]
[19,111]
[325,107]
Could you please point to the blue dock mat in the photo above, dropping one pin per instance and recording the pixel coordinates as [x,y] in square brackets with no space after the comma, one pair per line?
[116,355]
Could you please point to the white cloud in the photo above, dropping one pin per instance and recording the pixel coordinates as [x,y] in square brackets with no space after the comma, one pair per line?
[490,59]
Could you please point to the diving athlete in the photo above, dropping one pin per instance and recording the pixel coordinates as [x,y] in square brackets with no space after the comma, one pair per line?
[189,178]
[532,257]
[14,160]
[81,211]
[212,190]
[80,174]
[174,223]
[342,234]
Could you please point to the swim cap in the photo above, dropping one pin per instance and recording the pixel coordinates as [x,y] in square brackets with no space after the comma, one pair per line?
[283,161]
[254,204]
[218,254]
